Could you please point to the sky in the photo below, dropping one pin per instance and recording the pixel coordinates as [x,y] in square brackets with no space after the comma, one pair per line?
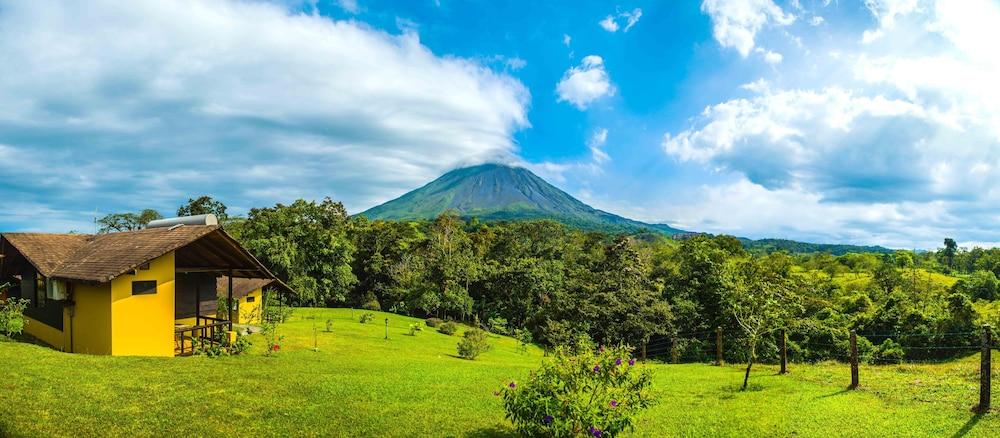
[864,122]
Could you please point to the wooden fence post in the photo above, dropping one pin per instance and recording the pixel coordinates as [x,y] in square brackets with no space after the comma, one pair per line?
[784,352]
[984,370]
[673,351]
[718,346]
[854,360]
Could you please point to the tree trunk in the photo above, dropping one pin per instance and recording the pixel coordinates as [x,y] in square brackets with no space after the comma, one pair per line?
[746,378]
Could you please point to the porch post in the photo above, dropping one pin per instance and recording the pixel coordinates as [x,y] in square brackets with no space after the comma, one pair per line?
[229,300]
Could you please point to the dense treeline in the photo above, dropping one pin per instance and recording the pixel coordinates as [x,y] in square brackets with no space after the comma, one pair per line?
[560,283]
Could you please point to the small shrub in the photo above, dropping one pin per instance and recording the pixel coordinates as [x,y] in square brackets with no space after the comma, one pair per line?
[499,326]
[275,313]
[272,339]
[449,328]
[473,344]
[329,325]
[889,352]
[434,322]
[12,316]
[524,338]
[414,328]
[588,393]
[240,346]
[366,318]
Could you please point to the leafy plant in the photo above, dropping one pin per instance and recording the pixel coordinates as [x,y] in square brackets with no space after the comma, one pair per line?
[272,339]
[498,325]
[12,316]
[434,322]
[524,338]
[449,328]
[241,345]
[414,328]
[329,325]
[366,318]
[473,343]
[595,393]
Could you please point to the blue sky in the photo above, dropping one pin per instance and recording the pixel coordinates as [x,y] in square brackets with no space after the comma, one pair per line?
[870,122]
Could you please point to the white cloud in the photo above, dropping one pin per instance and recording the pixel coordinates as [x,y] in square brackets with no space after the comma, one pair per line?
[592,165]
[611,24]
[567,39]
[770,57]
[173,99]
[584,84]
[816,20]
[735,23]
[595,143]
[901,130]
[349,6]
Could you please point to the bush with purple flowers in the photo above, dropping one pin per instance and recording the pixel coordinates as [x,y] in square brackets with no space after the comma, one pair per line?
[580,392]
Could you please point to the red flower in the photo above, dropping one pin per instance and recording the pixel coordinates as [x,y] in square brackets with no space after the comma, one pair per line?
[275,347]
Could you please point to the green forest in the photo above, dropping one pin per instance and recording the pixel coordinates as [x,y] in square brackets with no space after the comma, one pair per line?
[553,284]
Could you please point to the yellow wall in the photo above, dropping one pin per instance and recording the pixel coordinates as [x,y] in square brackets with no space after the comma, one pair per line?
[45,333]
[88,331]
[249,313]
[91,319]
[143,325]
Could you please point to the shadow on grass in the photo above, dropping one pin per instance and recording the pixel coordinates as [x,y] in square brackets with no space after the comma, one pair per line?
[492,432]
[969,425]
[834,394]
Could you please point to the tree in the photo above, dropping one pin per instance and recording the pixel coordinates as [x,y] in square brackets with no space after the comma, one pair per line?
[204,205]
[950,249]
[626,307]
[127,221]
[886,275]
[451,262]
[305,244]
[760,300]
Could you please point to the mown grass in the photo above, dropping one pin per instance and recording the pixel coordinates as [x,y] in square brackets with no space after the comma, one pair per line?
[359,384]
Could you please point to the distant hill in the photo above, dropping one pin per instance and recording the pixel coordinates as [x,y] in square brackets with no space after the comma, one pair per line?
[774,245]
[496,192]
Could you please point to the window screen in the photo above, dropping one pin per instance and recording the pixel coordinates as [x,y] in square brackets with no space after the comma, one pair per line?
[251,299]
[143,287]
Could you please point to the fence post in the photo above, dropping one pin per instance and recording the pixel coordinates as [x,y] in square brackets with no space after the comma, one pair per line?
[984,370]
[784,352]
[718,346]
[673,350]
[854,360]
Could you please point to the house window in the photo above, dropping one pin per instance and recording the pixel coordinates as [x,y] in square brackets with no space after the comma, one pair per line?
[143,287]
[144,267]
[250,299]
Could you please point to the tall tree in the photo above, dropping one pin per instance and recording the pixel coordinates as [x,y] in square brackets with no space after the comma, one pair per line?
[127,221]
[204,205]
[305,244]
[950,249]
[761,299]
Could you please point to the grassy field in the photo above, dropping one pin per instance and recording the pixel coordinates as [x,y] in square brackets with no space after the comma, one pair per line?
[359,384]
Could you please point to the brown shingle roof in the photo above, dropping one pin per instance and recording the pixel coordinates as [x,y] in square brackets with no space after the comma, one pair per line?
[241,286]
[110,255]
[46,251]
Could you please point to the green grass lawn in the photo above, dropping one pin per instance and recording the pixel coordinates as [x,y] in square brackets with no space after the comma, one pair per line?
[359,384]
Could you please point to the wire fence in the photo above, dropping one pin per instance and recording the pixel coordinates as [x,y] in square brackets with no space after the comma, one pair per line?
[874,360]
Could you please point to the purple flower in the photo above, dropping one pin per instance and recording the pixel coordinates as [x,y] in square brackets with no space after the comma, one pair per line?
[512,385]
[597,368]
[631,362]
[618,361]
[547,419]
[596,432]
[614,403]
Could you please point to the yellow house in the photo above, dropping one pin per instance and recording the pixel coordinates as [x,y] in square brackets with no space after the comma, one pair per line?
[248,296]
[150,292]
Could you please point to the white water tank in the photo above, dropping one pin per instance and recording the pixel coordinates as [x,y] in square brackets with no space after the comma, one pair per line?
[201,219]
